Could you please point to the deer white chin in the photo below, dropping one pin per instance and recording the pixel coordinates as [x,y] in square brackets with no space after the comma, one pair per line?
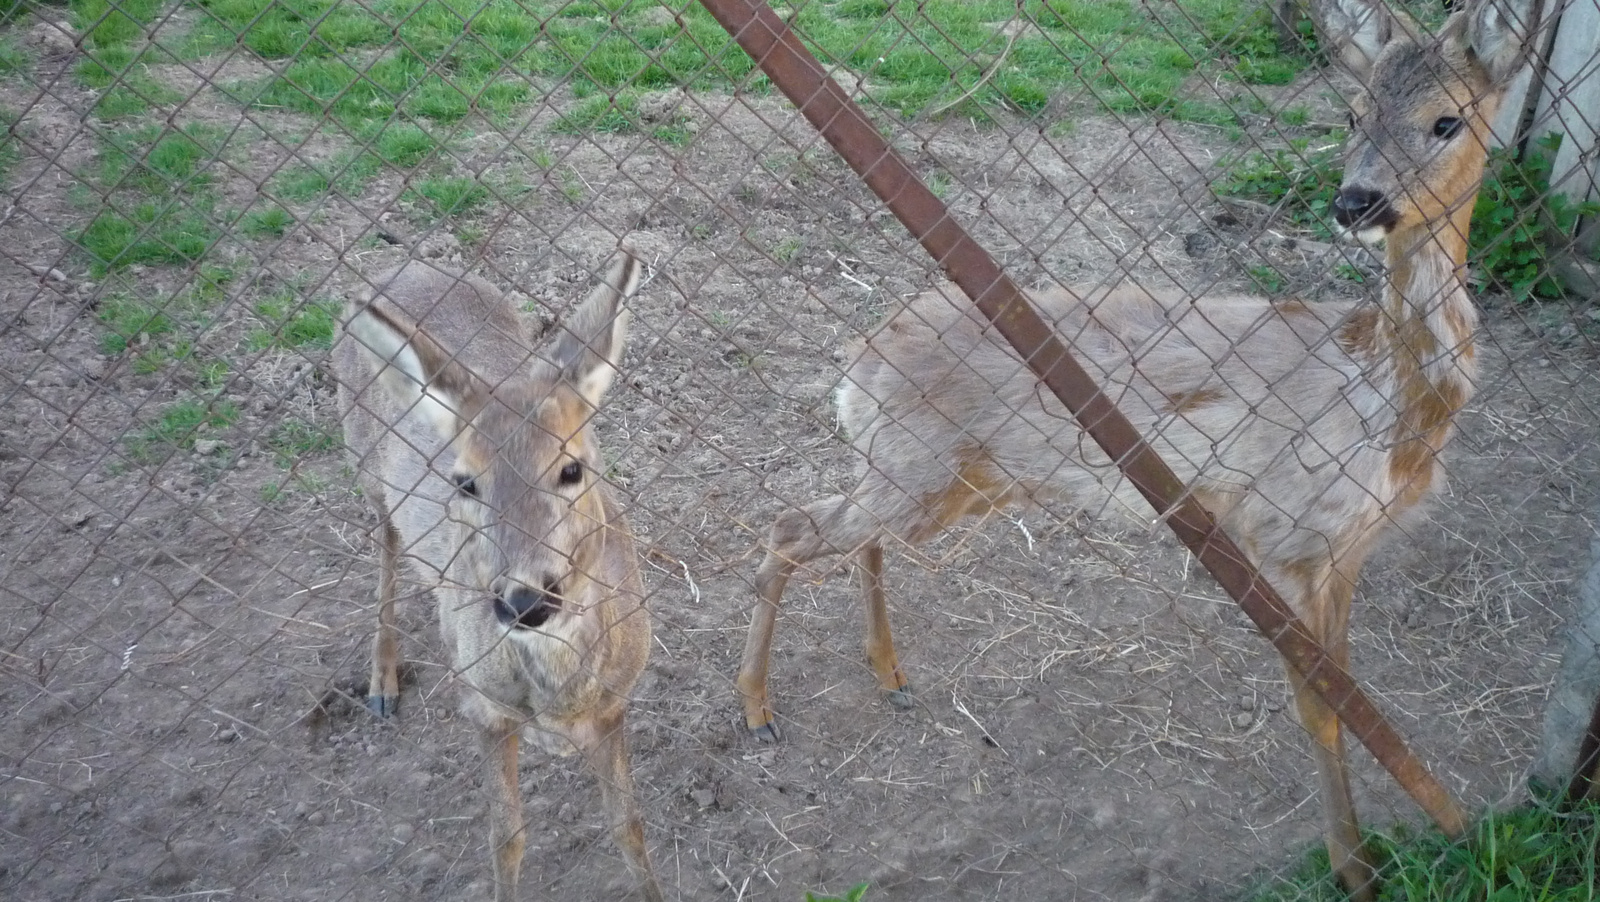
[1371,236]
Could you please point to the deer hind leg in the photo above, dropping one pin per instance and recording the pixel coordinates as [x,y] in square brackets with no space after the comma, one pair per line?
[833,525]
[880,642]
[383,684]
[1328,619]
[507,835]
[605,749]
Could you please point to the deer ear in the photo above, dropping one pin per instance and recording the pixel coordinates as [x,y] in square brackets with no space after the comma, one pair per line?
[418,373]
[1355,29]
[1498,33]
[592,339]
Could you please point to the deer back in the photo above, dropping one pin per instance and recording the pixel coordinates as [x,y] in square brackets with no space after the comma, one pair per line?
[1250,402]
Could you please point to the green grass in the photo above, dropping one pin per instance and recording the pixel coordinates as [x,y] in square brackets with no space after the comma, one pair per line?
[127,320]
[149,232]
[271,221]
[294,439]
[448,196]
[293,322]
[348,174]
[158,159]
[1531,854]
[441,60]
[1302,177]
[177,427]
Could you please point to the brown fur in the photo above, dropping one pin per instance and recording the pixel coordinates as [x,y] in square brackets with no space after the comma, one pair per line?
[1304,448]
[465,431]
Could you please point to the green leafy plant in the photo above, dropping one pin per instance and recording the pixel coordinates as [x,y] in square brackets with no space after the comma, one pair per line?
[853,894]
[1302,178]
[1517,221]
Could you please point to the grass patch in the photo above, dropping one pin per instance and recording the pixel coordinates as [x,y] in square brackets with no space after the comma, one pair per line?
[294,439]
[1303,178]
[271,221]
[449,196]
[294,323]
[161,159]
[178,426]
[1531,854]
[347,173]
[444,59]
[150,232]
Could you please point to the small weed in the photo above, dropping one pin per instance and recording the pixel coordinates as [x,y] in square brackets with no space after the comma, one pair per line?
[294,439]
[787,250]
[853,894]
[1302,178]
[1297,116]
[128,321]
[271,222]
[939,184]
[1349,273]
[1266,278]
[292,323]
[450,196]
[176,429]
[607,114]
[405,145]
[211,374]
[572,186]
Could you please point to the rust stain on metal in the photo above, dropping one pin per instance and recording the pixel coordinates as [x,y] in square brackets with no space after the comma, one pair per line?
[781,55]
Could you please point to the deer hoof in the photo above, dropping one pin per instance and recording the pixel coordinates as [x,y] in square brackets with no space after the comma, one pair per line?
[902,699]
[767,732]
[383,705]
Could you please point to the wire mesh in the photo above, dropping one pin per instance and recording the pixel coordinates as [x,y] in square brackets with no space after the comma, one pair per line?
[195,189]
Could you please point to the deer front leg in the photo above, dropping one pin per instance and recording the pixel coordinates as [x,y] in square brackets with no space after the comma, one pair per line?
[606,752]
[507,836]
[752,682]
[383,683]
[880,642]
[1328,617]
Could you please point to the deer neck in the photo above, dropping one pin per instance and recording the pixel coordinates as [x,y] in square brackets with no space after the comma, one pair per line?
[1421,338]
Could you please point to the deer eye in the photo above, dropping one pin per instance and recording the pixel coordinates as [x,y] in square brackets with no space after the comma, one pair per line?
[1446,127]
[572,473]
[466,485]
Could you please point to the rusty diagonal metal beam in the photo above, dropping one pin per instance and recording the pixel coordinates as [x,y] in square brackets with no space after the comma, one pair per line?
[780,54]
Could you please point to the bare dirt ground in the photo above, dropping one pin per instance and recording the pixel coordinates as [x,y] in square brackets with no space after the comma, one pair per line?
[1095,720]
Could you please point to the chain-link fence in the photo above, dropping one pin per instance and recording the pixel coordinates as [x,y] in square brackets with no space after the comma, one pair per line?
[194,189]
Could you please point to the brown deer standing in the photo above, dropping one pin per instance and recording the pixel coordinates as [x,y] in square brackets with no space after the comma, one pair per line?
[1305,429]
[475,448]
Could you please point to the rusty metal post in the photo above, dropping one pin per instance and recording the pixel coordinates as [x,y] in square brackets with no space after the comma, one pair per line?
[781,55]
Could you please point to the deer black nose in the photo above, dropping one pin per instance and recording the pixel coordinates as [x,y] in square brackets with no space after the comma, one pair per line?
[1363,208]
[527,608]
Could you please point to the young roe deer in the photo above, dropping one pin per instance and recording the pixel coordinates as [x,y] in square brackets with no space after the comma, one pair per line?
[1305,428]
[475,447]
